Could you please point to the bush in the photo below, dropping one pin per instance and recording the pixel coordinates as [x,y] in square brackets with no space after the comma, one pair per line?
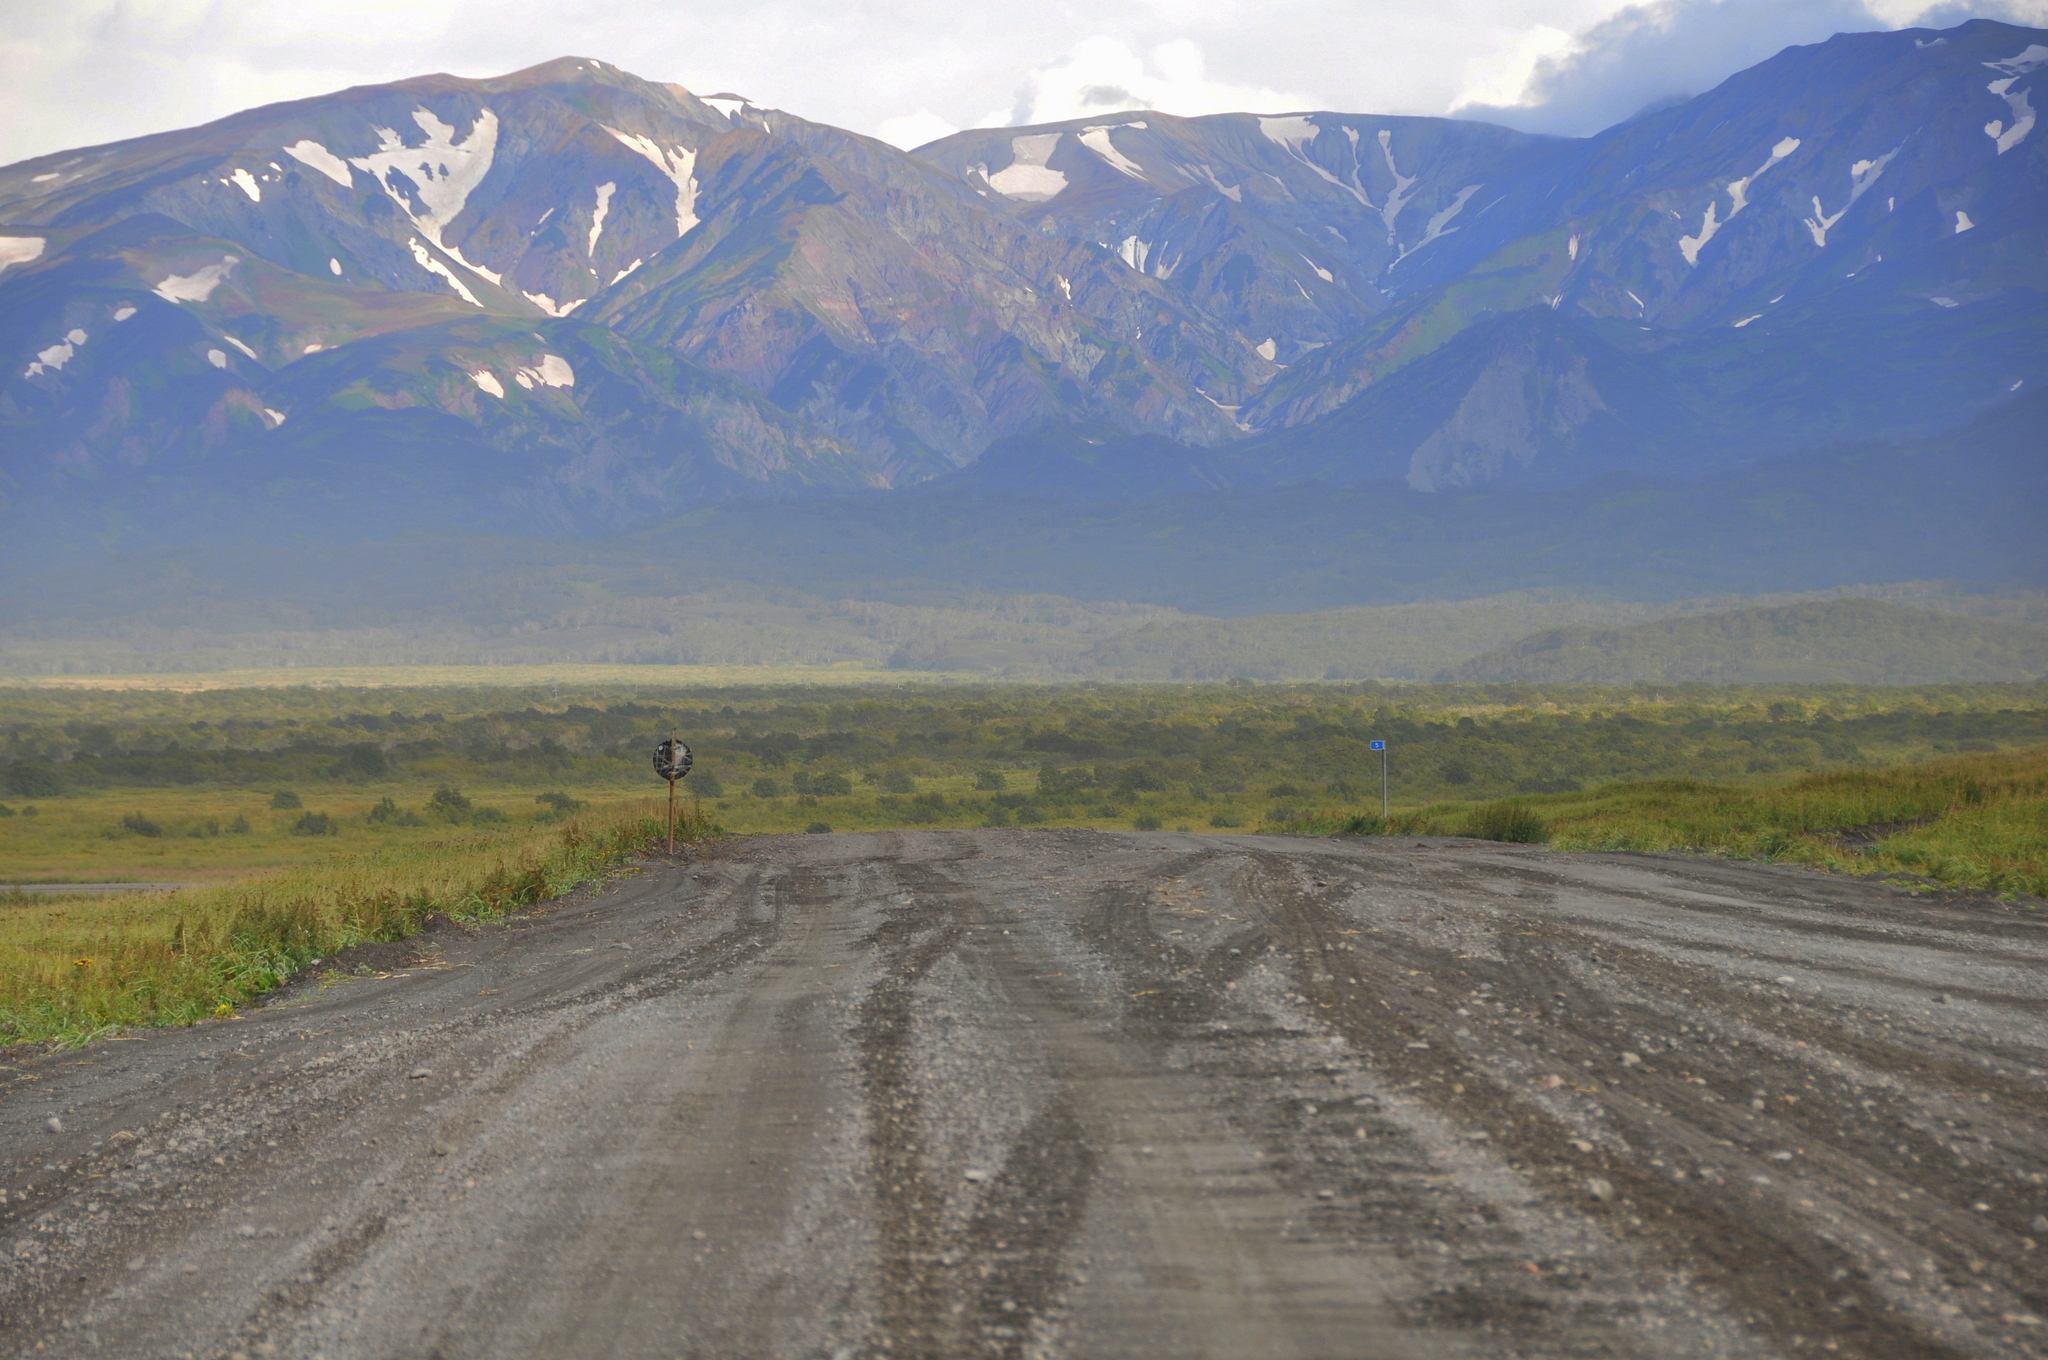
[388,813]
[896,781]
[365,760]
[1224,819]
[767,788]
[558,805]
[825,785]
[488,816]
[449,805]
[31,779]
[1507,822]
[239,826]
[1364,824]
[6,811]
[705,784]
[315,824]
[141,825]
[285,801]
[989,781]
[818,829]
[1145,821]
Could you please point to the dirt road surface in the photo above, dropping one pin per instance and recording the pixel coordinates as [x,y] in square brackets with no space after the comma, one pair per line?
[1031,1093]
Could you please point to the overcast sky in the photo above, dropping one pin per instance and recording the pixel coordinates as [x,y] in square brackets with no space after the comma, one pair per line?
[79,72]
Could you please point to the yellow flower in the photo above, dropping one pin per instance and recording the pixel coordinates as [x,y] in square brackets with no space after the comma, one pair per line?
[81,963]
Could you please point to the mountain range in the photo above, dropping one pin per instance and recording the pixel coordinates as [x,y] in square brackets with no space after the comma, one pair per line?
[574,365]
[570,300]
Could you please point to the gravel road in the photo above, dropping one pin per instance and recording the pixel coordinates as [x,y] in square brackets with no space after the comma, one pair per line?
[1034,1093]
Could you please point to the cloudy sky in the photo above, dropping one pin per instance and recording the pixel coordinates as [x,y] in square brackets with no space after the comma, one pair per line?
[81,72]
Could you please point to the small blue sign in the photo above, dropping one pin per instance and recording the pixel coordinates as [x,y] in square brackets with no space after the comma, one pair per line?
[1379,746]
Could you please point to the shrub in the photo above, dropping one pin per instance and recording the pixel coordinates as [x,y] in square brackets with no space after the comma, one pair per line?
[557,806]
[818,829]
[141,825]
[285,801]
[239,826]
[989,781]
[896,781]
[365,760]
[765,787]
[6,811]
[825,785]
[1363,824]
[488,816]
[32,779]
[314,824]
[1224,819]
[1145,821]
[449,805]
[388,813]
[705,784]
[1507,822]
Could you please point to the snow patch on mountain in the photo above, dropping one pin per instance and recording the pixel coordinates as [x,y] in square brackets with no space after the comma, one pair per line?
[729,107]
[1862,175]
[1027,176]
[679,164]
[199,285]
[552,371]
[1096,139]
[1439,225]
[1292,135]
[604,206]
[246,182]
[2022,113]
[1738,199]
[2035,57]
[1403,190]
[434,266]
[57,355]
[310,153]
[334,266]
[1963,223]
[16,250]
[1207,174]
[122,313]
[548,304]
[488,381]
[239,345]
[1267,349]
[432,182]
[623,272]
[1134,252]
[1325,275]
[217,357]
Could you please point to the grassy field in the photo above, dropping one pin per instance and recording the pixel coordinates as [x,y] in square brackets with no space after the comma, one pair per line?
[73,967]
[1974,821]
[305,818]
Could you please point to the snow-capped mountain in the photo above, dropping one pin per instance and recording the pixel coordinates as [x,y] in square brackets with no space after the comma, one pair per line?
[572,297]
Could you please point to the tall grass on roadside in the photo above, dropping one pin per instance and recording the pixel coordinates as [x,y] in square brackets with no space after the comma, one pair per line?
[73,968]
[1976,821]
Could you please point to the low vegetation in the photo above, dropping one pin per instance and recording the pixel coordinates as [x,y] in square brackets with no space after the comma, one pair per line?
[1976,821]
[303,820]
[73,967]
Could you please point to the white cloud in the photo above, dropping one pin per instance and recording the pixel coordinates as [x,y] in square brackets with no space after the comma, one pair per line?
[1643,54]
[90,71]
[912,130]
[1102,75]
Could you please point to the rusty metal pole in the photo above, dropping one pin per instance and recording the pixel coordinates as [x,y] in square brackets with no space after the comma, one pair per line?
[671,815]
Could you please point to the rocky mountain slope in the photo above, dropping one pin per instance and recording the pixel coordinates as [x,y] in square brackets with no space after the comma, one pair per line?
[570,298]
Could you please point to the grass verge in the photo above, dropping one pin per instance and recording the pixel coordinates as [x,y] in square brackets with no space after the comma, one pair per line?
[74,968]
[1974,821]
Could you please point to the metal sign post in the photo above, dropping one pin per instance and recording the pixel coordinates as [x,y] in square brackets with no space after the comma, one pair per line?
[672,761]
[1381,747]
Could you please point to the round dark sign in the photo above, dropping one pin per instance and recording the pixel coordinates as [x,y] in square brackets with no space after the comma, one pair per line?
[672,759]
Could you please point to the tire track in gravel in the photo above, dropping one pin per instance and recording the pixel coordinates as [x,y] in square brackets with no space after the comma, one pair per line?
[1786,1271]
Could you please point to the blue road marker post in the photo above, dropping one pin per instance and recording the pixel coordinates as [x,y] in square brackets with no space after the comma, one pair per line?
[1381,747]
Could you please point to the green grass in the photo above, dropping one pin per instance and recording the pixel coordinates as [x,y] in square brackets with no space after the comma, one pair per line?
[1972,821]
[72,968]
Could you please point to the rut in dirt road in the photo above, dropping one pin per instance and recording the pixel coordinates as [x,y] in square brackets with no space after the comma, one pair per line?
[1037,1094]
